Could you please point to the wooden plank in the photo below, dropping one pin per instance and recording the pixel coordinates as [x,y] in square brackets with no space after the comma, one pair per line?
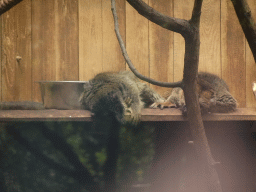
[9,85]
[210,59]
[113,59]
[241,114]
[137,39]
[45,115]
[23,72]
[90,38]
[16,75]
[233,53]
[66,23]
[183,10]
[161,46]
[250,64]
[148,115]
[43,44]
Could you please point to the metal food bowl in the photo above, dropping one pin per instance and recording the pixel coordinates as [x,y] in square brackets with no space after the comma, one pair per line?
[61,94]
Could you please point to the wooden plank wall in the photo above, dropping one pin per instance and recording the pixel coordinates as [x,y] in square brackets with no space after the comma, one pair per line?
[54,42]
[250,64]
[74,40]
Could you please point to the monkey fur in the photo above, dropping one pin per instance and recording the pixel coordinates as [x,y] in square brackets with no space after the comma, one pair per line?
[21,105]
[120,95]
[116,99]
[213,95]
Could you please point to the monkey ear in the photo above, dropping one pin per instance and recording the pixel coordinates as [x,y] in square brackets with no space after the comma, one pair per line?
[254,88]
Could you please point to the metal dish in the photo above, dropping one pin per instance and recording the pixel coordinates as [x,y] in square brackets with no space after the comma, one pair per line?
[61,94]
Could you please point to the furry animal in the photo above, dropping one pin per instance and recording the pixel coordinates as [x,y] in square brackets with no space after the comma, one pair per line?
[120,95]
[213,95]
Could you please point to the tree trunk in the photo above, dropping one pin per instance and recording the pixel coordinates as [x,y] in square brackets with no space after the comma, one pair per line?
[190,31]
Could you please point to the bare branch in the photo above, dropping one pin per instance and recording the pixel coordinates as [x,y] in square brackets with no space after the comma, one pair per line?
[174,24]
[244,15]
[190,31]
[7,5]
[129,62]
[196,13]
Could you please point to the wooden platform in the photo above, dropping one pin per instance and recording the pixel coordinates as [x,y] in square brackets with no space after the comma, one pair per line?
[242,114]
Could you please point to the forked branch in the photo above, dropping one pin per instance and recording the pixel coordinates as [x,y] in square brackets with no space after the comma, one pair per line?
[190,31]
[173,24]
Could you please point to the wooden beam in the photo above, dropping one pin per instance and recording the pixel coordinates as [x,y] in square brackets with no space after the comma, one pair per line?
[148,115]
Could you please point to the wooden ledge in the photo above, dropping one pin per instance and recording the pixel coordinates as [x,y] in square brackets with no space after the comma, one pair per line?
[149,115]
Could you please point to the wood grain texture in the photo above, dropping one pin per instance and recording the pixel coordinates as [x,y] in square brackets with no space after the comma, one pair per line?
[113,59]
[233,53]
[147,115]
[9,92]
[250,65]
[43,44]
[16,75]
[137,44]
[23,50]
[183,10]
[210,59]
[161,47]
[66,23]
[74,40]
[90,38]
[54,42]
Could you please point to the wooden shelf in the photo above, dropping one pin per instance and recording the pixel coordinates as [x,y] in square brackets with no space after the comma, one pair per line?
[149,115]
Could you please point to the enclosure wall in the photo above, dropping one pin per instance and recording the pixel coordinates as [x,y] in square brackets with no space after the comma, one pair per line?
[74,40]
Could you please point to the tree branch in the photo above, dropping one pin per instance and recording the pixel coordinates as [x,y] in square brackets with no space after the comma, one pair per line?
[129,62]
[174,24]
[196,13]
[247,23]
[191,61]
[7,5]
[209,180]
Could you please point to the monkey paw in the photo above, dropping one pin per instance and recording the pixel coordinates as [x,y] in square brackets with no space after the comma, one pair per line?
[135,119]
[132,119]
[128,101]
[161,105]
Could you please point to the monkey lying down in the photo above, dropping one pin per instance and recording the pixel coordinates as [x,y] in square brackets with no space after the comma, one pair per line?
[119,94]
[213,95]
[123,95]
